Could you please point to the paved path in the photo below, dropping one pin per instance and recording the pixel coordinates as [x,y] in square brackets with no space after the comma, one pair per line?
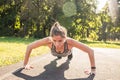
[46,67]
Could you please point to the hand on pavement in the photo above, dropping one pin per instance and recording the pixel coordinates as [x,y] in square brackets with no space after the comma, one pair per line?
[28,67]
[87,71]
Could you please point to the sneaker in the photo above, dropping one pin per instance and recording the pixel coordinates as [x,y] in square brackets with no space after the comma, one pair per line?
[59,57]
[70,56]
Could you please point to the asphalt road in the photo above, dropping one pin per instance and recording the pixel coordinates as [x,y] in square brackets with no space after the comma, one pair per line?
[47,67]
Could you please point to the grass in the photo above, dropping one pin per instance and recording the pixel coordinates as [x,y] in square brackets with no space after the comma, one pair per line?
[12,49]
[101,44]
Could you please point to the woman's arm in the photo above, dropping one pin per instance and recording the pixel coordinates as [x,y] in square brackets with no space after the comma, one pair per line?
[33,45]
[86,49]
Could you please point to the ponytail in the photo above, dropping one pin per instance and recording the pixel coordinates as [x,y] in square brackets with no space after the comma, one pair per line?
[57,29]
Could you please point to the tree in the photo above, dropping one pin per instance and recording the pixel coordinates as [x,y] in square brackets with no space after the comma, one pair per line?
[8,11]
[84,22]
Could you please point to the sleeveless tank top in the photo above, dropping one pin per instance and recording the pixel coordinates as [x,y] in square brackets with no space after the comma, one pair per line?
[66,51]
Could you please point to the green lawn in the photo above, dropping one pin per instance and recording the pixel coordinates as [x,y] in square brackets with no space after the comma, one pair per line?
[101,44]
[13,49]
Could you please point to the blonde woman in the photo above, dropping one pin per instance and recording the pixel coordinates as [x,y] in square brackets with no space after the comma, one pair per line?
[60,46]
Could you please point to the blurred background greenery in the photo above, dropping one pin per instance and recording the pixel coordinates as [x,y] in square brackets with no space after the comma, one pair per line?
[33,18]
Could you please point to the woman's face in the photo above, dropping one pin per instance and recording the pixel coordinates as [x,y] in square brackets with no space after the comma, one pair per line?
[58,41]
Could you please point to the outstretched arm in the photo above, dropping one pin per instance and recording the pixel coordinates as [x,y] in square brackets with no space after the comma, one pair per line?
[86,49]
[31,46]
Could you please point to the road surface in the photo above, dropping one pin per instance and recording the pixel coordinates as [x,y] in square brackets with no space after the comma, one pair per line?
[47,67]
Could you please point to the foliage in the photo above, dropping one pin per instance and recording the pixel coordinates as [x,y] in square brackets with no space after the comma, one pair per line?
[34,18]
[84,22]
[108,29]
[8,11]
[69,9]
[93,36]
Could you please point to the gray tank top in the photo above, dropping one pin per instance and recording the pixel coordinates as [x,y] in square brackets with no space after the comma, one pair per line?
[66,51]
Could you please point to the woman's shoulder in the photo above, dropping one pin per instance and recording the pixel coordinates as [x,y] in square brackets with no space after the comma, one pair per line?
[69,40]
[45,40]
[48,39]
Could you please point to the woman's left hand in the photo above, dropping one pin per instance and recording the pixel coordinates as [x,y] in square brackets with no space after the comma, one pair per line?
[92,71]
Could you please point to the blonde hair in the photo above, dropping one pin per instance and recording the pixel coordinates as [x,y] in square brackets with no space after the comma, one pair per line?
[57,29]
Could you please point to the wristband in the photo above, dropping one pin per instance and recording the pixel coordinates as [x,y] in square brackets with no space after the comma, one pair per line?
[93,67]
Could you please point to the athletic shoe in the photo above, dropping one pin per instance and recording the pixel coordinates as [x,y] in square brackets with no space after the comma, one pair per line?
[70,56]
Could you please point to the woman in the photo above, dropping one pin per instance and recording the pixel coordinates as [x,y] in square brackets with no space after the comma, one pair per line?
[60,46]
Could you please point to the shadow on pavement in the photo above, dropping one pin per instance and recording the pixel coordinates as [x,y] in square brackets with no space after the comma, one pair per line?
[52,72]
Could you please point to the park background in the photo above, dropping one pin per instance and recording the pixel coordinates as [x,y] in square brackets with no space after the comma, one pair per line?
[24,21]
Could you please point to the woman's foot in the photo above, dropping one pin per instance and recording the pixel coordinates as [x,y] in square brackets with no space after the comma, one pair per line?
[70,56]
[58,57]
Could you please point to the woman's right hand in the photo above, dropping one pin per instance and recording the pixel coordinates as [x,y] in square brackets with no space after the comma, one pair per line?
[28,67]
[87,71]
